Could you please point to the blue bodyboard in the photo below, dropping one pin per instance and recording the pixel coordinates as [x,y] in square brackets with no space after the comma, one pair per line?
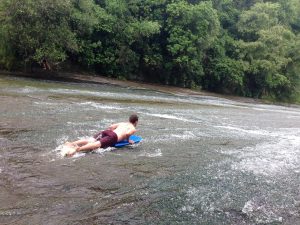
[134,138]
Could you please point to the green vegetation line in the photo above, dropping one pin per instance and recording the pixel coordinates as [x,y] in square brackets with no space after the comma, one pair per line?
[243,47]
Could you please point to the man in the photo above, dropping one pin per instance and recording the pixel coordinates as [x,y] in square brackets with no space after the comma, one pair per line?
[108,138]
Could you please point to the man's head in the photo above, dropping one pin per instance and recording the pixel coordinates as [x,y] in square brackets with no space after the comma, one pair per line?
[134,119]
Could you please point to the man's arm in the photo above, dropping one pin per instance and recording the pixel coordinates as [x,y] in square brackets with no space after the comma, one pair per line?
[131,132]
[130,141]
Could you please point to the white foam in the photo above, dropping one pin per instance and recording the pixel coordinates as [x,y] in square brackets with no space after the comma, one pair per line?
[78,155]
[239,130]
[62,140]
[261,213]
[112,95]
[248,207]
[223,103]
[59,150]
[186,135]
[208,201]
[209,100]
[48,103]
[28,89]
[276,109]
[103,150]
[187,208]
[201,197]
[172,117]
[100,106]
[157,153]
[202,100]
[280,155]
[92,104]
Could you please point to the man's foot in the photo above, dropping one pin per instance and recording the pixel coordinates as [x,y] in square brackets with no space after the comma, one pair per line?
[72,151]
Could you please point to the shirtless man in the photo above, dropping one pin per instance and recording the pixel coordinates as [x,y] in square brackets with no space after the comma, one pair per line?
[108,138]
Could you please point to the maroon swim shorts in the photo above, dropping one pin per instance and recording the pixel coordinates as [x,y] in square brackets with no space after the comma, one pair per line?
[107,138]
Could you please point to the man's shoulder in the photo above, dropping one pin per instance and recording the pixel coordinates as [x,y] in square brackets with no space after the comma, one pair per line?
[123,124]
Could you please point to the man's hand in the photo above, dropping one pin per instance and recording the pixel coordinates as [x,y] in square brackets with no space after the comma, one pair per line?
[131,141]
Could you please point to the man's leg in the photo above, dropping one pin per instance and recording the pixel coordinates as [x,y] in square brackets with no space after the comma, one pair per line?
[78,143]
[89,146]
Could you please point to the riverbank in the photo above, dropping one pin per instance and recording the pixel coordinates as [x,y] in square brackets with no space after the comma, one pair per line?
[98,79]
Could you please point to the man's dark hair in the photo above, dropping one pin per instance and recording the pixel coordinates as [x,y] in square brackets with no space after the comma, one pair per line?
[133,118]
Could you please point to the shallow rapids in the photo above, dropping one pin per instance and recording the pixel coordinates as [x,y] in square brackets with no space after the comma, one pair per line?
[203,160]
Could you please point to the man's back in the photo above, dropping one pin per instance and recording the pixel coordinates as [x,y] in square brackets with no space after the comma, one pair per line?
[124,130]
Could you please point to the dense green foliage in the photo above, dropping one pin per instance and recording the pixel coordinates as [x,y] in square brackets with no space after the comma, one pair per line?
[246,47]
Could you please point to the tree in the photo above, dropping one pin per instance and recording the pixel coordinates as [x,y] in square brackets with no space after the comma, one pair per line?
[191,29]
[269,57]
[260,16]
[40,29]
[290,14]
[245,47]
[121,50]
[227,13]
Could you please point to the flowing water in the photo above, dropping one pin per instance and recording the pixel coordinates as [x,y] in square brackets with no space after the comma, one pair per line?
[203,160]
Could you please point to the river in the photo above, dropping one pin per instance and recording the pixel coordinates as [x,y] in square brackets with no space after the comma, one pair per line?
[203,160]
